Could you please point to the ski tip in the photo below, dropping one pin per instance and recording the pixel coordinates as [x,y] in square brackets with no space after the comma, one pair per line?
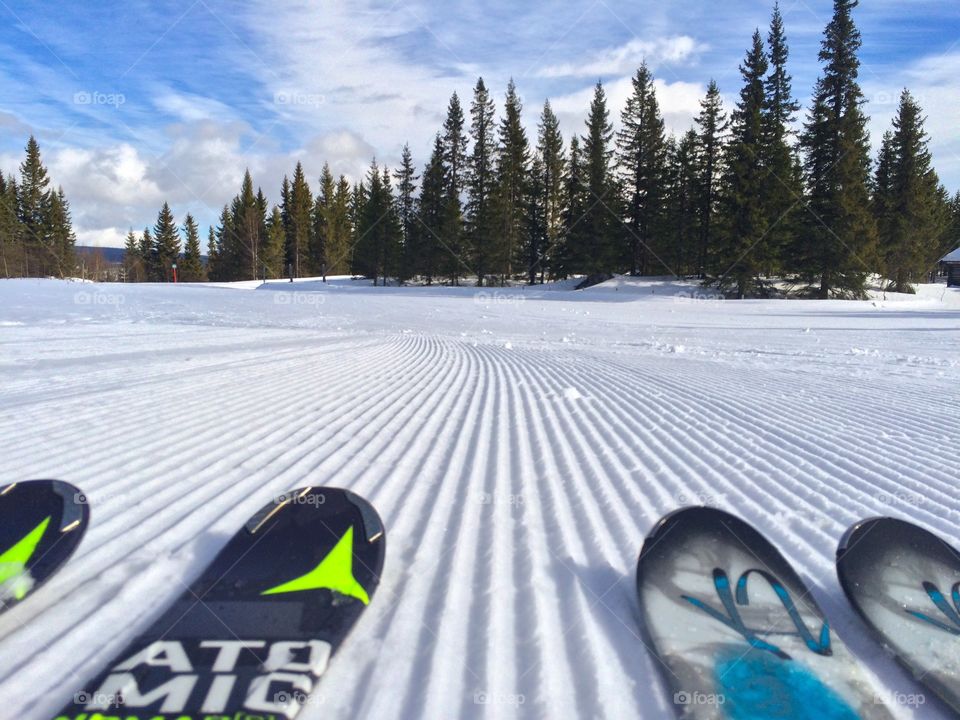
[324,500]
[858,531]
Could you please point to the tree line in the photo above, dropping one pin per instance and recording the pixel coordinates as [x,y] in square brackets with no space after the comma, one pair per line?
[36,231]
[741,200]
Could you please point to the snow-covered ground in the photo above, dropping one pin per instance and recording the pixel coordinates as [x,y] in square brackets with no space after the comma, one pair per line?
[519,444]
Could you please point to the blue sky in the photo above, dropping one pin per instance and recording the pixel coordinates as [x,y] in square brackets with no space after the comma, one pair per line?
[139,102]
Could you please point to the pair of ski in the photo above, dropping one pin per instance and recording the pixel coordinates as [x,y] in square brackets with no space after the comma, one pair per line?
[738,635]
[250,638]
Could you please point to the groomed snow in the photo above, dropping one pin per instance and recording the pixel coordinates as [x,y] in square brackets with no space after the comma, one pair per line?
[519,444]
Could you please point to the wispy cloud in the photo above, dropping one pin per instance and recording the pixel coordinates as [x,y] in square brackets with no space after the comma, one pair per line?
[627,58]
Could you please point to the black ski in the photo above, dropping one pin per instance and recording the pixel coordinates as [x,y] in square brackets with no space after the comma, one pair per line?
[252,636]
[905,583]
[736,631]
[41,524]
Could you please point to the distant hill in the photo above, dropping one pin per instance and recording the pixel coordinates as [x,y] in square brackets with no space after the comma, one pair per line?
[111,255]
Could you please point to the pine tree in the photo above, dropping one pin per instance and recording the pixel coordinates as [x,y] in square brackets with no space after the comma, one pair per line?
[455,160]
[481,178]
[323,210]
[242,251]
[33,203]
[598,252]
[191,266]
[911,206]
[132,260]
[744,225]
[11,230]
[712,126]
[59,238]
[547,198]
[783,187]
[299,214]
[512,187]
[214,273]
[340,230]
[840,233]
[220,266]
[406,178]
[274,244]
[378,245]
[431,216]
[148,255]
[567,257]
[166,243]
[642,160]
[682,203]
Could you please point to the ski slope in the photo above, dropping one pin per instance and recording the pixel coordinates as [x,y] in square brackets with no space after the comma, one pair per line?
[518,443]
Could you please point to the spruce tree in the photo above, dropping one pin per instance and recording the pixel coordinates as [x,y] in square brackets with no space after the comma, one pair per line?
[223,270]
[166,244]
[132,260]
[11,230]
[744,227]
[549,177]
[513,169]
[481,179]
[323,209]
[642,163]
[33,201]
[455,160]
[598,250]
[249,226]
[406,178]
[274,244]
[340,230]
[59,239]
[191,266]
[431,216]
[712,126]
[913,221]
[839,230]
[148,255]
[567,257]
[682,204]
[299,214]
[213,256]
[783,188]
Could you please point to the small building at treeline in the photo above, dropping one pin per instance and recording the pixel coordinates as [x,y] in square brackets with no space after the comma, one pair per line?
[951,268]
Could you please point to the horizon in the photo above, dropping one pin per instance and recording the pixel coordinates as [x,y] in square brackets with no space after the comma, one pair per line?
[139,104]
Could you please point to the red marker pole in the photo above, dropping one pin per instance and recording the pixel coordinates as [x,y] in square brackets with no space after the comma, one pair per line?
[174,273]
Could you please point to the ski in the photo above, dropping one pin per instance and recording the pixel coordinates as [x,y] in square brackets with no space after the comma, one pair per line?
[252,636]
[905,583]
[735,630]
[41,524]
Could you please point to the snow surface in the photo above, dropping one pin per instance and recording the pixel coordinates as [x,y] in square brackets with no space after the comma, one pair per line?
[518,443]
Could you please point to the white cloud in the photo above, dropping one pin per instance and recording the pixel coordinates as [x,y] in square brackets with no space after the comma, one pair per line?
[932,81]
[627,58]
[679,104]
